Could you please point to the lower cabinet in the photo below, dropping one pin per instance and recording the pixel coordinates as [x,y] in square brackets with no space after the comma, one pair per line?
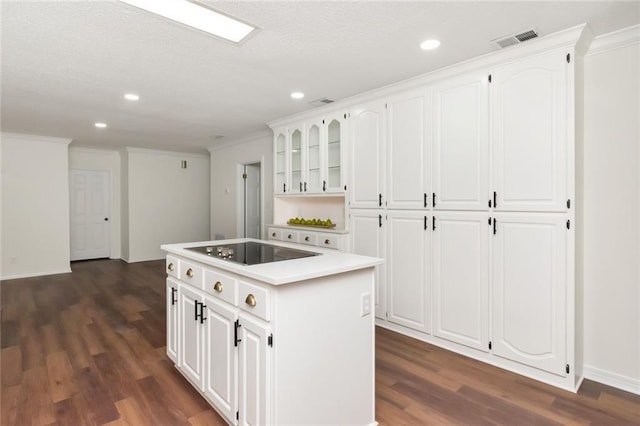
[529,291]
[172,319]
[191,338]
[408,260]
[254,375]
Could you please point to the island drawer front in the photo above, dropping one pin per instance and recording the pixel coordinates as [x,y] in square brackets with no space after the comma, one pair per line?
[328,241]
[274,234]
[193,274]
[290,236]
[309,238]
[173,266]
[221,286]
[261,301]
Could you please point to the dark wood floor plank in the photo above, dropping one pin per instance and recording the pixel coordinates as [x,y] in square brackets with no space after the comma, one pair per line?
[88,348]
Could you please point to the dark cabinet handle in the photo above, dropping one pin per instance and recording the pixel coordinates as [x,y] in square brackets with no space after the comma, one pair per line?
[379,200]
[235,333]
[489,203]
[433,199]
[106,219]
[425,199]
[305,187]
[494,226]
[495,199]
[195,310]
[425,223]
[202,318]
[433,222]
[324,185]
[174,291]
[284,187]
[379,221]
[300,186]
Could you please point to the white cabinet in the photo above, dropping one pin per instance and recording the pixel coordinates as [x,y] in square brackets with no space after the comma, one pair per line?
[529,290]
[172,319]
[367,155]
[461,143]
[408,150]
[254,378]
[309,236]
[221,369]
[460,272]
[335,153]
[530,130]
[296,159]
[191,338]
[314,156]
[368,239]
[408,260]
[280,160]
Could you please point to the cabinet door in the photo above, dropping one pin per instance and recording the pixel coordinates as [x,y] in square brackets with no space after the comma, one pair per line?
[254,372]
[461,143]
[280,160]
[191,336]
[529,134]
[220,357]
[172,319]
[297,159]
[529,290]
[336,132]
[314,157]
[367,161]
[367,233]
[408,285]
[408,150]
[461,278]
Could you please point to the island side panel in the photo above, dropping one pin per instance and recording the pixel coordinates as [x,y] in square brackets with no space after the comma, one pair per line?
[325,351]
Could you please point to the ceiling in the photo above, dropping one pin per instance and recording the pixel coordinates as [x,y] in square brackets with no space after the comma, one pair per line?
[67,65]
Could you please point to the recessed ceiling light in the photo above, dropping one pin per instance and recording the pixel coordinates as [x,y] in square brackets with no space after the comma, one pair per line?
[429,44]
[297,95]
[196,16]
[100,125]
[131,97]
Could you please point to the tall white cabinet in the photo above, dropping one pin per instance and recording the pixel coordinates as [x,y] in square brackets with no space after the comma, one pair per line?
[464,181]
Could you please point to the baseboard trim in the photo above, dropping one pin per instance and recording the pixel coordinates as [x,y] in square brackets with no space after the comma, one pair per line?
[33,274]
[608,378]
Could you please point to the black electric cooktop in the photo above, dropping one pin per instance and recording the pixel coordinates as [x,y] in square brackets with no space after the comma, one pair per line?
[252,253]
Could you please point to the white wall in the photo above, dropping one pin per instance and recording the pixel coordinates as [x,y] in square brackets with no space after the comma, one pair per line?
[612,216]
[103,160]
[225,162]
[166,204]
[35,206]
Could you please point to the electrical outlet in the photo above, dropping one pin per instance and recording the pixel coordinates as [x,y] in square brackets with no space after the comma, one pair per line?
[365,304]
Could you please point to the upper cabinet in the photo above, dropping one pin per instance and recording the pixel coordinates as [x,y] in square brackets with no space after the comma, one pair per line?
[530,133]
[310,155]
[366,185]
[408,150]
[461,143]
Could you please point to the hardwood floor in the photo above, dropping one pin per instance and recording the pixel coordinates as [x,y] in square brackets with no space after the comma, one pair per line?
[87,348]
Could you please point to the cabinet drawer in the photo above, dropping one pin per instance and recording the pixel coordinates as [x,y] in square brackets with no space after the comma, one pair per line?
[274,234]
[328,241]
[290,236]
[255,300]
[173,267]
[192,274]
[221,286]
[309,238]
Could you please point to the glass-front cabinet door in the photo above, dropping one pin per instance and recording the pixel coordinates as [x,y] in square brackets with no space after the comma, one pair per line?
[297,183]
[314,158]
[280,162]
[335,131]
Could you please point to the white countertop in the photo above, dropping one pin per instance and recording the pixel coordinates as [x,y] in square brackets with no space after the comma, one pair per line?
[330,262]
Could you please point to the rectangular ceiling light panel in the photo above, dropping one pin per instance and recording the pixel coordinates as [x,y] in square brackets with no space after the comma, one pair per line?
[196,16]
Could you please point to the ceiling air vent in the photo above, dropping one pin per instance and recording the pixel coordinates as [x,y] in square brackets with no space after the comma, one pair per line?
[321,101]
[518,38]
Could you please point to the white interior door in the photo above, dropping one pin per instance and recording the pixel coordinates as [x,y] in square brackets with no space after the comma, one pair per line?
[252,201]
[90,214]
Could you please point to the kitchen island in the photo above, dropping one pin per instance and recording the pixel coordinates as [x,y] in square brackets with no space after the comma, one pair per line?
[288,341]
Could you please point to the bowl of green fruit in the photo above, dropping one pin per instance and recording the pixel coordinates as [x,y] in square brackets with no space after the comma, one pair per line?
[316,222]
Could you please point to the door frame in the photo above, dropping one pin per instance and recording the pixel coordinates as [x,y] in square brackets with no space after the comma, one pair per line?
[240,196]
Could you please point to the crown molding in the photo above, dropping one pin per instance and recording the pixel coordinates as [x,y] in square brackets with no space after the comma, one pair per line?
[133,149]
[243,140]
[33,138]
[615,40]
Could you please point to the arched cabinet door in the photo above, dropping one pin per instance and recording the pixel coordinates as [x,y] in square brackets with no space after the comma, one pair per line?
[280,160]
[530,134]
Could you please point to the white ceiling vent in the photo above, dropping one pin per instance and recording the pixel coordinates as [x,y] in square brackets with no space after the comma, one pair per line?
[321,101]
[518,38]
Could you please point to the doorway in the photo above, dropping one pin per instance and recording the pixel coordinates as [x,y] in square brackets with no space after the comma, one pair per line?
[251,210]
[89,211]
